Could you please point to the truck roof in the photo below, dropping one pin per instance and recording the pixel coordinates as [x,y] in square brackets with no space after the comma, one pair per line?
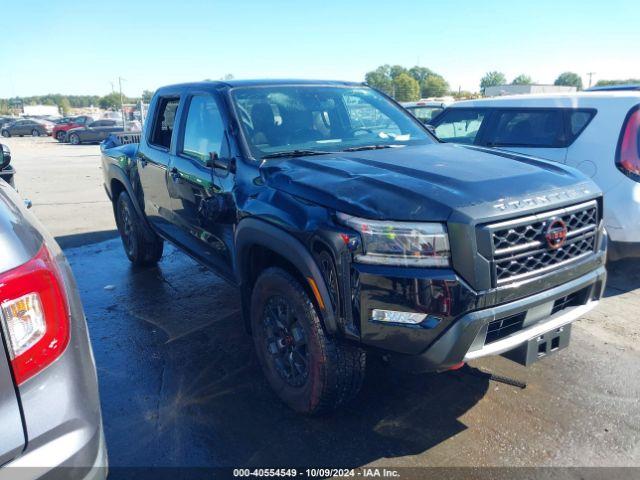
[259,82]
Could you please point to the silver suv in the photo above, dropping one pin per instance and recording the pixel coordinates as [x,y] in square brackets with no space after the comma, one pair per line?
[49,405]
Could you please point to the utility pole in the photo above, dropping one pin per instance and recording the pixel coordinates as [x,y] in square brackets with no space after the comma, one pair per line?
[120,79]
[113,90]
[591,74]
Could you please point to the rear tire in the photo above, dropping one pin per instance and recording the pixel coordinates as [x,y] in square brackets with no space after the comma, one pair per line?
[74,139]
[310,372]
[144,248]
[35,133]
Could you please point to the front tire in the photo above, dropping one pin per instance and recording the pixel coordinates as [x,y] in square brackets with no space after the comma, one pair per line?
[6,133]
[60,136]
[142,247]
[74,139]
[310,372]
[35,133]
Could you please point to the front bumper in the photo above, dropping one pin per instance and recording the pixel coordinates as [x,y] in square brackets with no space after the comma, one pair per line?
[467,338]
[460,323]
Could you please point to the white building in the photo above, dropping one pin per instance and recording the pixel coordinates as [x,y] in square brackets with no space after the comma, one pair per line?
[500,90]
[41,110]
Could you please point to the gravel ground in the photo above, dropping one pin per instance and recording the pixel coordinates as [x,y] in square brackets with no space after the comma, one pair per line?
[177,373]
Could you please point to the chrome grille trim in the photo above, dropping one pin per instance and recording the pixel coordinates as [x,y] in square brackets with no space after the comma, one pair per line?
[519,249]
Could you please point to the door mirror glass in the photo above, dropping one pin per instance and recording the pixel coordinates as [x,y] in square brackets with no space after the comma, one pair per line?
[5,160]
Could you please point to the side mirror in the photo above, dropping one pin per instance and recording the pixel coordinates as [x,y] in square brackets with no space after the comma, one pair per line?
[5,160]
[215,161]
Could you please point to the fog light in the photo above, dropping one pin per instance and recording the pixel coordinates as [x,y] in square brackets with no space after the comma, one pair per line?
[389,316]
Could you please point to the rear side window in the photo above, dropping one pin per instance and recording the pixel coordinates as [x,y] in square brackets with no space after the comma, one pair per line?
[203,130]
[459,125]
[163,122]
[578,121]
[527,128]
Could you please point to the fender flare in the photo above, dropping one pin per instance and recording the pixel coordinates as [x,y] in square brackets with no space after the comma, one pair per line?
[252,231]
[114,172]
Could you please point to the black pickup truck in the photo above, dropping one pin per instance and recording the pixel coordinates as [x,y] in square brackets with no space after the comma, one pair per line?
[350,229]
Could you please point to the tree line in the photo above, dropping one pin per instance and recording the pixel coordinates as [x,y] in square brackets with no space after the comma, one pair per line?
[411,84]
[66,102]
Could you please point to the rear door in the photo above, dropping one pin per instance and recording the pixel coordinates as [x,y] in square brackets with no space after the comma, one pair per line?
[153,165]
[12,437]
[540,132]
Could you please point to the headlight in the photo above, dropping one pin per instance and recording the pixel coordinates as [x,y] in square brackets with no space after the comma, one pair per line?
[400,243]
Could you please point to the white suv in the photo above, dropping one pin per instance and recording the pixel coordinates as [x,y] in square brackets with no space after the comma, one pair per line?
[596,132]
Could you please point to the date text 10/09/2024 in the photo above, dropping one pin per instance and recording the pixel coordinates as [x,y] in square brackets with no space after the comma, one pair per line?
[316,472]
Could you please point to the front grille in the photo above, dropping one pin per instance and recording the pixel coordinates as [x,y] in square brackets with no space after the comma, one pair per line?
[521,250]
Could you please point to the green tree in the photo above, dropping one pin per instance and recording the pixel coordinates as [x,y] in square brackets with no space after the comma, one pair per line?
[569,79]
[380,78]
[491,79]
[420,73]
[433,85]
[111,100]
[65,105]
[396,70]
[147,95]
[522,79]
[407,89]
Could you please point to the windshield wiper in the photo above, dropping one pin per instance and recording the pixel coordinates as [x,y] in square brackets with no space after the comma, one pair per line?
[295,153]
[368,147]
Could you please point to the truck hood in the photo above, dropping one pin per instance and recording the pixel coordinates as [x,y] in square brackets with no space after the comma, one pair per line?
[417,183]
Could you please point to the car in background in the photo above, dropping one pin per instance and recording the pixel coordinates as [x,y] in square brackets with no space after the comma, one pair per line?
[60,130]
[29,126]
[426,110]
[615,88]
[6,170]
[49,403]
[595,132]
[4,120]
[94,132]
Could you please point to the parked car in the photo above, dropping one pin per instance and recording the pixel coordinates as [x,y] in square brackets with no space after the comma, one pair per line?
[425,110]
[6,120]
[94,132]
[6,170]
[29,126]
[49,402]
[60,130]
[596,132]
[348,228]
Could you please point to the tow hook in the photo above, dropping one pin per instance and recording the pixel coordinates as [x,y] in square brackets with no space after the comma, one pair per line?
[491,376]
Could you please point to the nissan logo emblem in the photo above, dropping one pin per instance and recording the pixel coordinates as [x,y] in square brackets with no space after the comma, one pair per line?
[556,234]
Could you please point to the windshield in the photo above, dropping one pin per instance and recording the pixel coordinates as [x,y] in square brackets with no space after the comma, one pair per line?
[278,119]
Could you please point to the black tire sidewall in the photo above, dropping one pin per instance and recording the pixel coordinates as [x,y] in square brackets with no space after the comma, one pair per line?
[35,133]
[277,282]
[125,202]
[6,134]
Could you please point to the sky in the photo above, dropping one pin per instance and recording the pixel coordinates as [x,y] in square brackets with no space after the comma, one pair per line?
[83,46]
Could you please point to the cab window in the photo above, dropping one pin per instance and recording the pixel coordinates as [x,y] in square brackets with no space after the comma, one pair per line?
[203,130]
[163,122]
[459,125]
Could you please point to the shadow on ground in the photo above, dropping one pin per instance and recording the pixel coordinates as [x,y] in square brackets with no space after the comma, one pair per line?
[180,385]
[86,238]
[624,276]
